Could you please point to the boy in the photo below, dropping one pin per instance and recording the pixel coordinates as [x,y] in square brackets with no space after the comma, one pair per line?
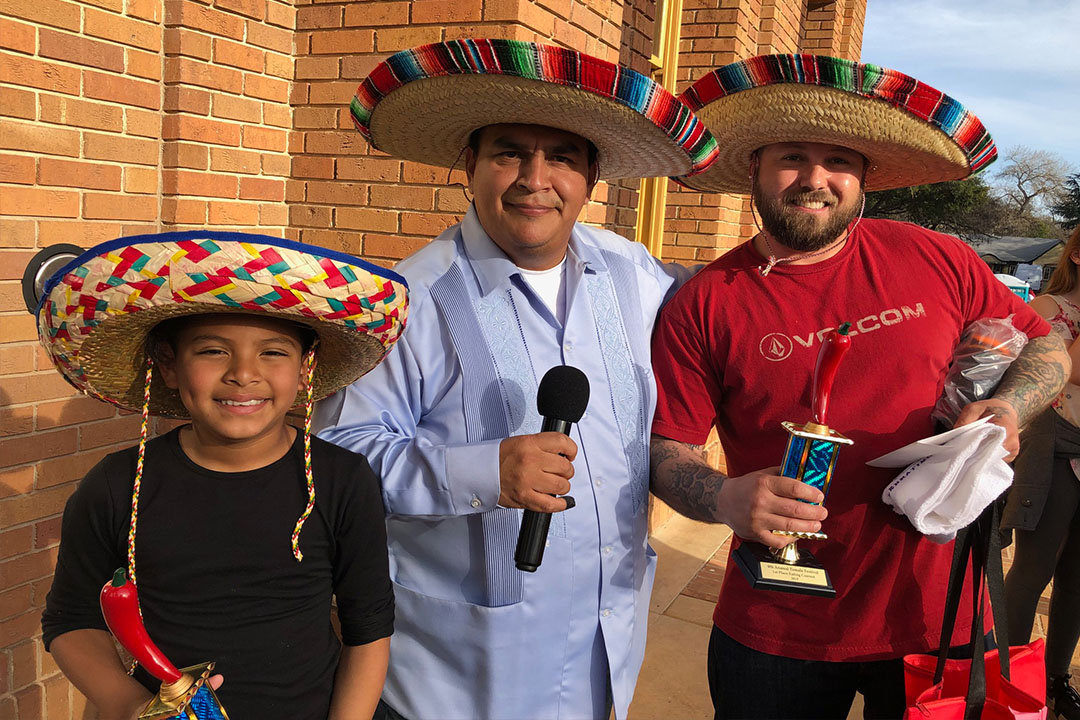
[217,499]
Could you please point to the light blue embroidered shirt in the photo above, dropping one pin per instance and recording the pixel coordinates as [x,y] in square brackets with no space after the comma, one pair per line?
[474,636]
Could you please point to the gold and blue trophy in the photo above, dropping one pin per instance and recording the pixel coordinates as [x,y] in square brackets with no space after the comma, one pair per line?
[810,456]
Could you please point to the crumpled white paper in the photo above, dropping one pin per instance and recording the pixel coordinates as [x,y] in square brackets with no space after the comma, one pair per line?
[949,479]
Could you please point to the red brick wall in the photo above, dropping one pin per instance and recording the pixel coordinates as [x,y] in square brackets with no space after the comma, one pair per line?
[117,117]
[120,117]
[80,128]
[225,133]
[700,226]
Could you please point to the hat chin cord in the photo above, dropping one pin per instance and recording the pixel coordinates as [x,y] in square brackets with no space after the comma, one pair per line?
[310,361]
[450,171]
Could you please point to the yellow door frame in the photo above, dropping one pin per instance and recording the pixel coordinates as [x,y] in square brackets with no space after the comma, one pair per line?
[652,193]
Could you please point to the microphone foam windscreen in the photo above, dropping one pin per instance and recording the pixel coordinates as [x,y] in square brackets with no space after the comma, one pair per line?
[563,393]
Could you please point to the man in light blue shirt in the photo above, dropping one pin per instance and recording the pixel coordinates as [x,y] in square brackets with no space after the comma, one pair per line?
[449,421]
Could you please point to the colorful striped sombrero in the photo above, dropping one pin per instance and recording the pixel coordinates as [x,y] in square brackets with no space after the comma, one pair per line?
[96,311]
[911,133]
[422,104]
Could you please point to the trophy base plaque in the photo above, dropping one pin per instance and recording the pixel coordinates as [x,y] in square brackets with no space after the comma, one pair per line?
[789,570]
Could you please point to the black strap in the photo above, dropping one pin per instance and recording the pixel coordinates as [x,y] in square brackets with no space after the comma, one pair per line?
[995,582]
[961,550]
[981,543]
[976,692]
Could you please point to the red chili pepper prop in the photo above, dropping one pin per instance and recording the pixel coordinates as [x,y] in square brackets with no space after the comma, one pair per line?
[834,346]
[120,606]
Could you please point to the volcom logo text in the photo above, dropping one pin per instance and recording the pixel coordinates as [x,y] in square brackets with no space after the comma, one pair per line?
[778,346]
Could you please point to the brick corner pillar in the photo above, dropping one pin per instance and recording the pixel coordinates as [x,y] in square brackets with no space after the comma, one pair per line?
[346,195]
[834,27]
[226,125]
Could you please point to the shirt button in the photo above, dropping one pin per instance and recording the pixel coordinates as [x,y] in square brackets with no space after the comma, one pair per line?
[475,502]
[606,612]
[598,482]
[607,550]
[568,346]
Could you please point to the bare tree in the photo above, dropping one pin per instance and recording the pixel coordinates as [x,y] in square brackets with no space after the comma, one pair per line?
[1030,179]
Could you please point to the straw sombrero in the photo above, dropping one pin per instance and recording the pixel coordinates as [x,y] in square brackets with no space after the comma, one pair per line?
[96,311]
[911,133]
[422,104]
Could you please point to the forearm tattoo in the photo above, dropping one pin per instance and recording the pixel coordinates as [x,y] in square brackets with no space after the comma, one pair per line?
[681,477]
[1035,377]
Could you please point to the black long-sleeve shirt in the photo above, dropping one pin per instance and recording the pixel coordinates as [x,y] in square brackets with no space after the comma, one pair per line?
[217,579]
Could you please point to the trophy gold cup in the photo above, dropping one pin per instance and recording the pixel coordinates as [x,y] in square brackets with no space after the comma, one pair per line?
[810,457]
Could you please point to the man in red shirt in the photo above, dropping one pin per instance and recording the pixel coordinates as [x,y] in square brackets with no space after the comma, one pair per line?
[735,350]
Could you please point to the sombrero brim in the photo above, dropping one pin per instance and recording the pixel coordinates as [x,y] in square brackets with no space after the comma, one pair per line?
[98,311]
[910,133]
[422,104]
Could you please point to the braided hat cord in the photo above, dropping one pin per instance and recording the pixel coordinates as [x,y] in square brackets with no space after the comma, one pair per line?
[139,469]
[310,362]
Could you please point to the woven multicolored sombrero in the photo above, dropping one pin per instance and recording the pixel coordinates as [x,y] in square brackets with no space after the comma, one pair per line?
[422,104]
[97,310]
[911,133]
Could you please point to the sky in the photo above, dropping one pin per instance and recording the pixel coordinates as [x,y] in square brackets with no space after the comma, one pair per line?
[1014,63]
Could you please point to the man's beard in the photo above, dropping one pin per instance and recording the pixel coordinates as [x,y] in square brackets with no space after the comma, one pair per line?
[801,231]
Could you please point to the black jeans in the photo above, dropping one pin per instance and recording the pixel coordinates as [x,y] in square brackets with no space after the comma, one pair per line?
[745,683]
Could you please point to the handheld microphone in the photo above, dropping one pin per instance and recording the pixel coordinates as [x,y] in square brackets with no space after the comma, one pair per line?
[561,401]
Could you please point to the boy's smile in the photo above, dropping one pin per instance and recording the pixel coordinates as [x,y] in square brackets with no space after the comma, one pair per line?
[237,375]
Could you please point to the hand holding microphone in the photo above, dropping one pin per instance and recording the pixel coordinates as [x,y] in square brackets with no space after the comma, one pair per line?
[543,462]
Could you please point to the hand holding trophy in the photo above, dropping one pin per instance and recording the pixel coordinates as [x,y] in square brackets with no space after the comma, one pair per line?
[810,457]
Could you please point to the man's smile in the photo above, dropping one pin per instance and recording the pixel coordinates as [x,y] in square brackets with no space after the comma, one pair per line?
[812,201]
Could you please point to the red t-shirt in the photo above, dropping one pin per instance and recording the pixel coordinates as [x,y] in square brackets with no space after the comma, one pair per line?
[738,350]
